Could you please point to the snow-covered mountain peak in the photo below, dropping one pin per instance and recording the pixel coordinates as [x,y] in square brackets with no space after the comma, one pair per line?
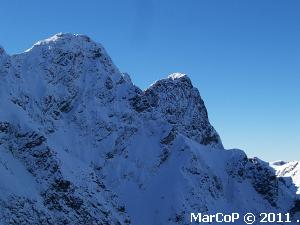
[68,41]
[80,144]
[177,78]
[67,51]
[71,60]
[63,74]
[180,104]
[177,75]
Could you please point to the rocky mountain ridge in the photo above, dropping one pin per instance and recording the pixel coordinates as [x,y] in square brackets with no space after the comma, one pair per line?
[81,144]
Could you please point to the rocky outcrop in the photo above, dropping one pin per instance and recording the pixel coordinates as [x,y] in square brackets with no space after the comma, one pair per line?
[180,104]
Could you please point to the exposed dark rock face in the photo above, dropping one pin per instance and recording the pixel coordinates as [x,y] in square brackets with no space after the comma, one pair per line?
[181,105]
[296,207]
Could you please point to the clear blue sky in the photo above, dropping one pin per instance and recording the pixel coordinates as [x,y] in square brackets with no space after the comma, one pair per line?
[243,55]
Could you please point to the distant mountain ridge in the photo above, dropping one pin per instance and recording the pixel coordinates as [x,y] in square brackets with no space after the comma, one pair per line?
[81,144]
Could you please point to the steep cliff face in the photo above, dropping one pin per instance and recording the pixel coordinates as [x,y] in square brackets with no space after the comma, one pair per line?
[181,105]
[81,144]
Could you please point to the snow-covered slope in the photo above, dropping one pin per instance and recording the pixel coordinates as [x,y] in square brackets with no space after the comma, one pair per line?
[81,144]
[290,170]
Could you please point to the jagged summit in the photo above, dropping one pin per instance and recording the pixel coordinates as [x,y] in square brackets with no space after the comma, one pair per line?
[72,62]
[63,49]
[181,104]
[177,75]
[176,78]
[68,40]
[66,49]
